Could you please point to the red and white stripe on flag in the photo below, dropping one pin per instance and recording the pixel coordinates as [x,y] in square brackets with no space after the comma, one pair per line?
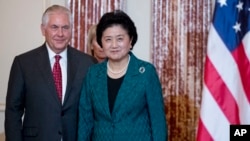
[226,87]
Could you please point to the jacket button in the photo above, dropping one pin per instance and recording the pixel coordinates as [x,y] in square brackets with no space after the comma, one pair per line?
[62,113]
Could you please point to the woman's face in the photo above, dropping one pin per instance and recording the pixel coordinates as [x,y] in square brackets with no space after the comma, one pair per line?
[98,51]
[116,43]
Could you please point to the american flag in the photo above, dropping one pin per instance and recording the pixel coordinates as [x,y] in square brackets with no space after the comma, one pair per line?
[226,88]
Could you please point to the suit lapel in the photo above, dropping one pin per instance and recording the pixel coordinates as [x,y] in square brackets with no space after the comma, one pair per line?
[125,94]
[102,90]
[45,68]
[71,72]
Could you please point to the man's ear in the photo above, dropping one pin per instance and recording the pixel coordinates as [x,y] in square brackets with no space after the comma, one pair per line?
[42,27]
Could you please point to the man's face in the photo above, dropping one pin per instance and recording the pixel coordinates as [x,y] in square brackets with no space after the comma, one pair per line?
[57,31]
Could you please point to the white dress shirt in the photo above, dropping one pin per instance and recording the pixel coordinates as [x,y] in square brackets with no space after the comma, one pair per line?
[63,64]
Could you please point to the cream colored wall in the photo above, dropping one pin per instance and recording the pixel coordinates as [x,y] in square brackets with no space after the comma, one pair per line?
[140,12]
[20,32]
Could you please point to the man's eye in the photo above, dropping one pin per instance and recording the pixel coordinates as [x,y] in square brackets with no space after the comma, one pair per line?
[54,27]
[66,27]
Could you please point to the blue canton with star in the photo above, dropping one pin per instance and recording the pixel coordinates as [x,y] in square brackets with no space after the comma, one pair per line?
[232,21]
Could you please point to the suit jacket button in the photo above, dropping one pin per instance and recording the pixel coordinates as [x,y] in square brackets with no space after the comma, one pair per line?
[60,132]
[62,113]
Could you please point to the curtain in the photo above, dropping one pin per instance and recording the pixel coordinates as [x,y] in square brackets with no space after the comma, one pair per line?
[87,13]
[179,41]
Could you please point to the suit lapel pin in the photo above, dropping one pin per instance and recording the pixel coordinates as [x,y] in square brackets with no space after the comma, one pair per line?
[141,69]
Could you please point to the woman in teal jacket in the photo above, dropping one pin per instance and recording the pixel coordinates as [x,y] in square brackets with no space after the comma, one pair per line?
[121,98]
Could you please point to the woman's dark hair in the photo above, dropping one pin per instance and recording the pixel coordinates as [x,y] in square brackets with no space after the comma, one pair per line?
[117,17]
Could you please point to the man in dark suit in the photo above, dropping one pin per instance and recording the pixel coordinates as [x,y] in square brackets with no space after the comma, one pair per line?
[34,112]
